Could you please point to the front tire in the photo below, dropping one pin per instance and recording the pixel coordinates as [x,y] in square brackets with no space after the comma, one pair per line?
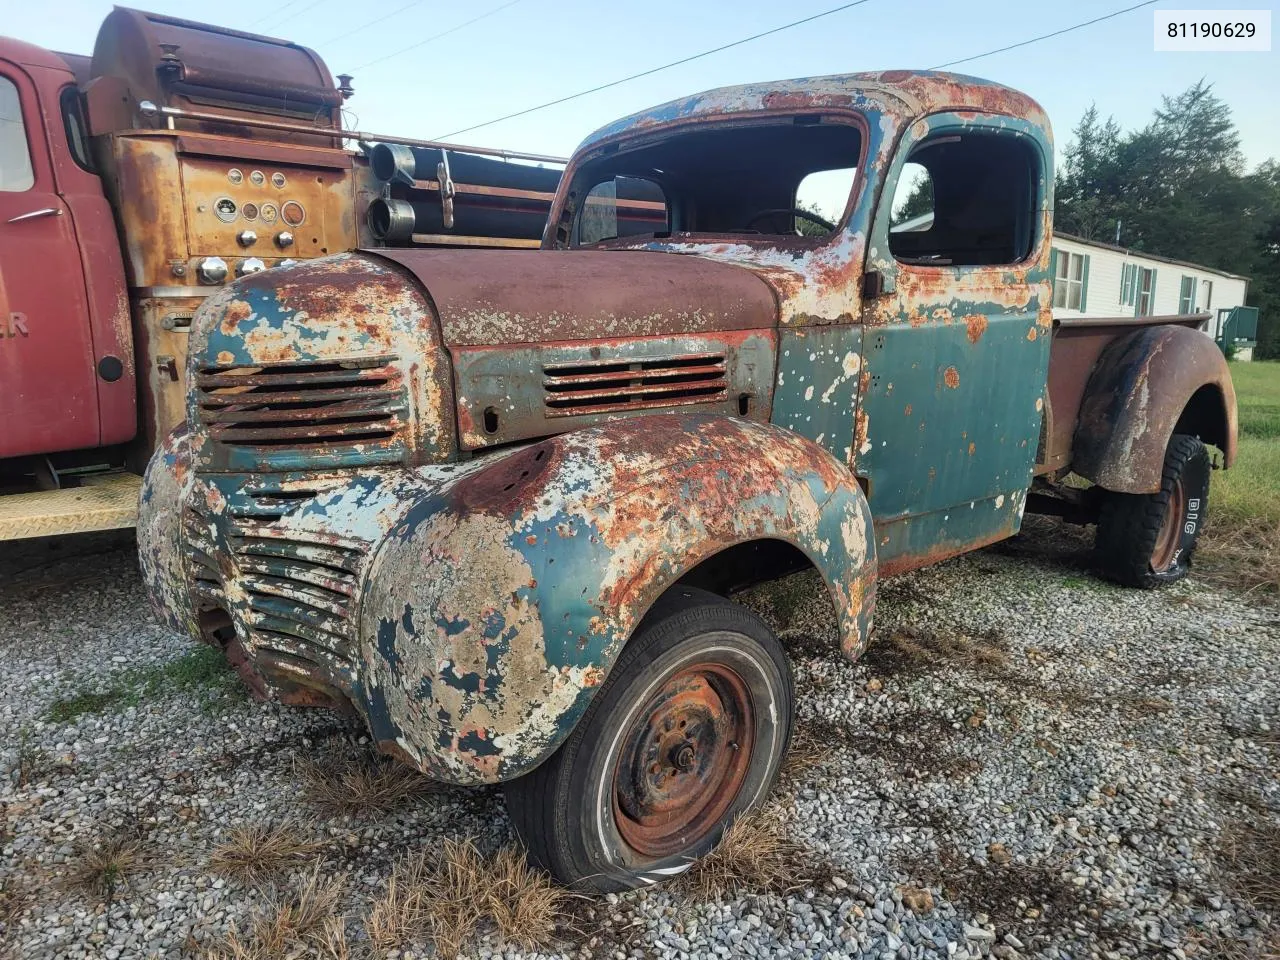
[687,733]
[1145,540]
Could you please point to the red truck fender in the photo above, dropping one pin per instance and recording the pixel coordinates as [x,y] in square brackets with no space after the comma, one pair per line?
[494,610]
[1147,386]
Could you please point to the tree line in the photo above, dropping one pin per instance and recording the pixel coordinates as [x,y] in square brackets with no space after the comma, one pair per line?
[1178,188]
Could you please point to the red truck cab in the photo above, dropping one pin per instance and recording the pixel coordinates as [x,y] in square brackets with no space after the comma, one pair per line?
[66,353]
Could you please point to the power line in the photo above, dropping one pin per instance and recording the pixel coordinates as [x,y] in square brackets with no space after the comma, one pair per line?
[364,26]
[444,33]
[665,66]
[275,12]
[295,15]
[1056,33]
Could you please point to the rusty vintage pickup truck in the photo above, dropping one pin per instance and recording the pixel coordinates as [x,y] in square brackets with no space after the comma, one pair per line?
[495,501]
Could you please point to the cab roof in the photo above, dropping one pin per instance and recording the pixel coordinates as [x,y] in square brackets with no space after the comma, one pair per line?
[907,94]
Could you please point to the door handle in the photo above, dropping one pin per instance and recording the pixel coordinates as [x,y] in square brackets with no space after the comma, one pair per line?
[34,214]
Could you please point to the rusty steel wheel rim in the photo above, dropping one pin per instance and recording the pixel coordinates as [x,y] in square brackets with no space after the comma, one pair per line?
[1170,535]
[683,760]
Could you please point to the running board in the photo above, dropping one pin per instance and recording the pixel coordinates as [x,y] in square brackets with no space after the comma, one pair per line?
[107,501]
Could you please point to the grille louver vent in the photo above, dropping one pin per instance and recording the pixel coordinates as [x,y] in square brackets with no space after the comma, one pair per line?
[330,406]
[612,385]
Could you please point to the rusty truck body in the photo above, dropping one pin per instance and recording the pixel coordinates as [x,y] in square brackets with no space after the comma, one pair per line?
[139,180]
[495,502]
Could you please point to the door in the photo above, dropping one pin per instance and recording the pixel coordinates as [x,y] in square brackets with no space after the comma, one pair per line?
[956,346]
[48,397]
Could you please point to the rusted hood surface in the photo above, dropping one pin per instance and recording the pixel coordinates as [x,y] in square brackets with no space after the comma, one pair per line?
[515,296]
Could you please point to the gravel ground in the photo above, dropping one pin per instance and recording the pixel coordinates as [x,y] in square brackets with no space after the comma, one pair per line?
[1028,763]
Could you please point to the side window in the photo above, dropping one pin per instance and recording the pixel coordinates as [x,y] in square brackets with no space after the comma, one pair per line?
[15,157]
[622,207]
[966,200]
[825,194]
[1187,295]
[77,131]
[912,209]
[1128,284]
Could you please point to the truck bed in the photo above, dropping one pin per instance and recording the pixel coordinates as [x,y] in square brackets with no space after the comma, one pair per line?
[1077,344]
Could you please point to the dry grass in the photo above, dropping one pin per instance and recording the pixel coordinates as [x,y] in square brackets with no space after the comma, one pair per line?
[1241,556]
[450,897]
[102,868]
[807,752]
[1249,856]
[257,852]
[357,787]
[305,922]
[755,855]
[914,648]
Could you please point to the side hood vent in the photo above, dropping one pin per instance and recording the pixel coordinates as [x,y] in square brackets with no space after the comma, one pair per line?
[609,386]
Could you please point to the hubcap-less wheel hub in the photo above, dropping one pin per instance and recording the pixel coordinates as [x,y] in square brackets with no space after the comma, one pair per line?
[683,760]
[1170,536]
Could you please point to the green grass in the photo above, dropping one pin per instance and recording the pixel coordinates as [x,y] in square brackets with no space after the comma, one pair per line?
[203,670]
[1250,490]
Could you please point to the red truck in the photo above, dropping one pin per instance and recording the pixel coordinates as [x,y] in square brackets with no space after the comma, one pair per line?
[497,503]
[139,180]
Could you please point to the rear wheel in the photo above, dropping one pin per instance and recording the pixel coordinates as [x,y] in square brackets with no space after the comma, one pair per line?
[1145,540]
[687,733]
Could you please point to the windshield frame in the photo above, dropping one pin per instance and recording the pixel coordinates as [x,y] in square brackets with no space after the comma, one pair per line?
[562,223]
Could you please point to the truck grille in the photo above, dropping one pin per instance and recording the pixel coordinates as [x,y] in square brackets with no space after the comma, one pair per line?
[608,386]
[297,592]
[349,407]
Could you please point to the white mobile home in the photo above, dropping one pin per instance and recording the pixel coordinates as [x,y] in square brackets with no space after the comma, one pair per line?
[1093,279]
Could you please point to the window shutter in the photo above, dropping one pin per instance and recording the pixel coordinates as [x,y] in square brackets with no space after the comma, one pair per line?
[1151,306]
[1084,285]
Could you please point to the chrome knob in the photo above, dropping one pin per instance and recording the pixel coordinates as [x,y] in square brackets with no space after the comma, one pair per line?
[284,239]
[287,262]
[250,265]
[212,270]
[246,238]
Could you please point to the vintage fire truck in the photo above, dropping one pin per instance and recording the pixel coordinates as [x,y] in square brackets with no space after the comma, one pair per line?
[136,182]
[496,502]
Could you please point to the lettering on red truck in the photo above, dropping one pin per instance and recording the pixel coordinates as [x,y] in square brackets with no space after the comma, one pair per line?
[16,326]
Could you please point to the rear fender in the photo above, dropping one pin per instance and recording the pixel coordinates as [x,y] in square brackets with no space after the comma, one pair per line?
[1144,386]
[497,606]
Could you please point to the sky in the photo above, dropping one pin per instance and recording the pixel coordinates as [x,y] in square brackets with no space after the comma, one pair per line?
[525,52]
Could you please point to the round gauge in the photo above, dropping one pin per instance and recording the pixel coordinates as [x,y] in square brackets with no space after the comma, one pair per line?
[277,180]
[268,212]
[235,175]
[257,178]
[292,213]
[249,211]
[225,209]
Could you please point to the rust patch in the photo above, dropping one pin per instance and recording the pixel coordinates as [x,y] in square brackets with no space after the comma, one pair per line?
[977,324]
[951,377]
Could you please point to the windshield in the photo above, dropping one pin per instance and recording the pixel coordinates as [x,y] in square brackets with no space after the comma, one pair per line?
[776,179]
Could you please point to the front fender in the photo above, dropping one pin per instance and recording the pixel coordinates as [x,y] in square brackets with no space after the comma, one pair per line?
[1137,393]
[496,608]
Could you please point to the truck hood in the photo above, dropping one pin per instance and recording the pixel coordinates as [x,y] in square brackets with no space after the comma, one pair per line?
[489,297]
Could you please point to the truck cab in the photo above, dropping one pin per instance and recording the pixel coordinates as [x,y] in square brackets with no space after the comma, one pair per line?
[66,347]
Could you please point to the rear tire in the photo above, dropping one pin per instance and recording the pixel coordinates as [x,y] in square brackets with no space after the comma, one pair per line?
[1145,540]
[687,733]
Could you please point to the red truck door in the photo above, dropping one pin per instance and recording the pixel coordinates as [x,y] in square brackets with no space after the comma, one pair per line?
[48,395]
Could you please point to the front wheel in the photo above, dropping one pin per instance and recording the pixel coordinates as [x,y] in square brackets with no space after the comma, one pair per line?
[687,733]
[1145,540]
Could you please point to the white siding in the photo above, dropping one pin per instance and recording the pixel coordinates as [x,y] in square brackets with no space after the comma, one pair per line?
[1102,293]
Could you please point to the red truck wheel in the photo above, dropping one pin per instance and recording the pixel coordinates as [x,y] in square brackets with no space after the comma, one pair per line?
[1145,540]
[687,733]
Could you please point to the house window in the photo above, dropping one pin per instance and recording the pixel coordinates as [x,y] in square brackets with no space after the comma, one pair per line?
[1071,271]
[1187,295]
[15,159]
[1128,284]
[1206,294]
[1146,292]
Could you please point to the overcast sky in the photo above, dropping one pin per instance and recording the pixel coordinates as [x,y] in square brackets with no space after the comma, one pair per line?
[531,51]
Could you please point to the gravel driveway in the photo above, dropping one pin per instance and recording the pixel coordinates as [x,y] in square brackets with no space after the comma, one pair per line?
[1029,762]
